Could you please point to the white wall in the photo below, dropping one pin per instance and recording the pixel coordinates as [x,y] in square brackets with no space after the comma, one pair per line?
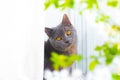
[21,45]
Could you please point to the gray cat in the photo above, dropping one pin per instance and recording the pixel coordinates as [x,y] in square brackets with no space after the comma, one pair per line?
[62,40]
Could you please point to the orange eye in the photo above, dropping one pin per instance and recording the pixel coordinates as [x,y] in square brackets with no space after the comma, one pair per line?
[58,38]
[68,32]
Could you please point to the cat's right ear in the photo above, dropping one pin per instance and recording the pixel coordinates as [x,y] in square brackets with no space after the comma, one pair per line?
[48,31]
[66,20]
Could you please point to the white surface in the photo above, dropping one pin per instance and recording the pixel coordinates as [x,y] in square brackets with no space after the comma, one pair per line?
[21,45]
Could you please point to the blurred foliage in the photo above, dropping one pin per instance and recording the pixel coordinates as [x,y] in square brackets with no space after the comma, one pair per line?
[116,28]
[63,61]
[93,64]
[109,51]
[116,76]
[91,5]
[102,18]
[64,4]
[113,3]
[113,31]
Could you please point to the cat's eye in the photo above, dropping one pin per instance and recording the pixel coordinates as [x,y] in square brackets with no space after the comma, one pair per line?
[68,32]
[58,38]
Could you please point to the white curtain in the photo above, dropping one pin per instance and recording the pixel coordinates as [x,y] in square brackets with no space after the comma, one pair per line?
[21,44]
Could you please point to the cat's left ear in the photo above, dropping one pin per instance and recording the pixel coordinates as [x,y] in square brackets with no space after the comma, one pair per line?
[48,31]
[66,20]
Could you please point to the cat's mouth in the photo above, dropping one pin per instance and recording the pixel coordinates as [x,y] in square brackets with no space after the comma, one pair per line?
[69,42]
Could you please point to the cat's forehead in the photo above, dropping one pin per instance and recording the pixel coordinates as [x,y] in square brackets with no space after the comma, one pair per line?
[59,30]
[63,27]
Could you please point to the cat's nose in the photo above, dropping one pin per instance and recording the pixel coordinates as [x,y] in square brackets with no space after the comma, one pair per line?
[67,41]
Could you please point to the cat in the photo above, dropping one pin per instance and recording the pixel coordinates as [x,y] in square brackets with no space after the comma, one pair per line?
[62,40]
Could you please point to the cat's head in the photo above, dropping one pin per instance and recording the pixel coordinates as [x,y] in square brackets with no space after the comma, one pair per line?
[63,35]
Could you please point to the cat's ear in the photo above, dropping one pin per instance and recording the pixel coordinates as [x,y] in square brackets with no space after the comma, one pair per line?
[66,20]
[48,31]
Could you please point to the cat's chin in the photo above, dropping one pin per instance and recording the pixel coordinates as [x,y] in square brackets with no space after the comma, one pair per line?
[59,49]
[64,48]
[69,44]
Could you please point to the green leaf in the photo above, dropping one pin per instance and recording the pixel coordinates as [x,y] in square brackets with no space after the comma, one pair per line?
[72,58]
[54,57]
[93,57]
[91,4]
[69,3]
[58,60]
[109,60]
[115,28]
[118,48]
[98,48]
[93,64]
[56,66]
[102,18]
[112,3]
[56,3]
[116,76]
[47,5]
[63,61]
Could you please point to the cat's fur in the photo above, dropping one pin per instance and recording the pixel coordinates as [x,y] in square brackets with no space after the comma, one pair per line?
[66,46]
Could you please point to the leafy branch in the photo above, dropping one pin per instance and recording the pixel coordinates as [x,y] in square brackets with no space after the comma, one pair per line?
[63,61]
[108,51]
